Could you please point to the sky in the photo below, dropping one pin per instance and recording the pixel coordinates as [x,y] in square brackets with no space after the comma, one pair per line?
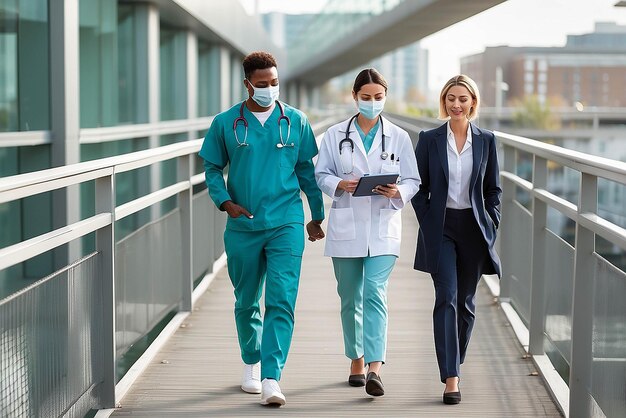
[513,23]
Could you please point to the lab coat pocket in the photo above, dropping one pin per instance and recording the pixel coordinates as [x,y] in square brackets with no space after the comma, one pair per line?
[391,169]
[341,225]
[390,223]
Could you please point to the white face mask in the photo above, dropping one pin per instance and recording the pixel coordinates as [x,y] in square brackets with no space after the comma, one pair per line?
[265,96]
[371,108]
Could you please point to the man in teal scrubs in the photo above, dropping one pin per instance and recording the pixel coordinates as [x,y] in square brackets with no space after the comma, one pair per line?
[269,158]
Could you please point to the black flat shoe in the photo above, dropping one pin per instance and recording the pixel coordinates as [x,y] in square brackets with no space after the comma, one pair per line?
[374,385]
[452,398]
[356,380]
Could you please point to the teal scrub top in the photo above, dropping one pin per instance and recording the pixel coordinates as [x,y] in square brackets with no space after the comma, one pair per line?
[262,178]
[368,139]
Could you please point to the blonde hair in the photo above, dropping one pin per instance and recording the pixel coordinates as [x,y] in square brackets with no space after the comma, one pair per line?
[470,85]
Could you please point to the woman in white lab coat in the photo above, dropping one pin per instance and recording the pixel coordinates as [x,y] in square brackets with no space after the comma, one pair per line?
[364,232]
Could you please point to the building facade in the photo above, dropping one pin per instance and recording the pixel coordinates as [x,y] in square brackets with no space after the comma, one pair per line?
[87,79]
[588,70]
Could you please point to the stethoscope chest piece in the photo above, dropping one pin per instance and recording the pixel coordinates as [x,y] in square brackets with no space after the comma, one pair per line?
[384,155]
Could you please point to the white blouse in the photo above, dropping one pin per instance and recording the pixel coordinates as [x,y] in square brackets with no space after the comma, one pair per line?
[459,171]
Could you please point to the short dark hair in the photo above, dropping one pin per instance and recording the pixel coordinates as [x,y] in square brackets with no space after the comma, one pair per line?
[367,76]
[257,60]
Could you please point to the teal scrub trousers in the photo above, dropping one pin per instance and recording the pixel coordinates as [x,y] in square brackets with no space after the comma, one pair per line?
[362,287]
[273,257]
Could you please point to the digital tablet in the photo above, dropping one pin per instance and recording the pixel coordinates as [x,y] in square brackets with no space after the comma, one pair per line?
[368,183]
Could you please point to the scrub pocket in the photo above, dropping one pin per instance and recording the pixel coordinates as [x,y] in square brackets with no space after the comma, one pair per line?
[390,224]
[288,157]
[341,225]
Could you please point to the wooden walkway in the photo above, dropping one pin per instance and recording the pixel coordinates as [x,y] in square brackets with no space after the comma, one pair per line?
[197,373]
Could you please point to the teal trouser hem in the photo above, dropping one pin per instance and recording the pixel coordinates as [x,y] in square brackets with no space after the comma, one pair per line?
[251,359]
[362,287]
[272,258]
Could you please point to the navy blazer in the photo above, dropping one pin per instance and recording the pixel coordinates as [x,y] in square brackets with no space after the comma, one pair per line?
[430,201]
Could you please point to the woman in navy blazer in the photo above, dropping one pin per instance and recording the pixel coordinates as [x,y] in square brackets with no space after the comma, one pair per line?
[457,207]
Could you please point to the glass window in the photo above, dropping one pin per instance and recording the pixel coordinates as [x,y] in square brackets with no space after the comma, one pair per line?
[133,106]
[98,63]
[529,65]
[204,73]
[169,170]
[208,79]
[542,89]
[173,59]
[236,77]
[129,185]
[25,218]
[529,76]
[542,65]
[24,85]
[529,88]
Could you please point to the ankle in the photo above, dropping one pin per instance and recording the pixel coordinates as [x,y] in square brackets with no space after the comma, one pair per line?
[375,367]
[452,384]
[357,366]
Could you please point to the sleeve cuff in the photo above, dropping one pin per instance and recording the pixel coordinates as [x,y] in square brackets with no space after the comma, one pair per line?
[219,200]
[317,215]
[399,202]
[332,190]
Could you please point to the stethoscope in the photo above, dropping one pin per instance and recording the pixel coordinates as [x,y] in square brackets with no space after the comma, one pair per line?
[241,118]
[383,155]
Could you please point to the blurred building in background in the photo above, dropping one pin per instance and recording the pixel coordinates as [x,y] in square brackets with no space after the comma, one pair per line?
[405,68]
[590,69]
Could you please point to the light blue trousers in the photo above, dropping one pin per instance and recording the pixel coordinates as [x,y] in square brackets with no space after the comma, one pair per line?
[362,287]
[273,257]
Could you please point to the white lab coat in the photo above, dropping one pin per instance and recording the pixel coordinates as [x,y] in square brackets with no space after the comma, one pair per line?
[358,226]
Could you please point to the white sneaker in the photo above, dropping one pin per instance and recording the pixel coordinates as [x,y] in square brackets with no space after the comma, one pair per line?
[271,394]
[251,380]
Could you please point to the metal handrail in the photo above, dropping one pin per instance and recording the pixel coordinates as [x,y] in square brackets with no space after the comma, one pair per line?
[80,172]
[114,133]
[597,166]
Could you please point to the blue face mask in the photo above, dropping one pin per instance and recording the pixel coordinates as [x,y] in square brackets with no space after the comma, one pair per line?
[370,109]
[265,96]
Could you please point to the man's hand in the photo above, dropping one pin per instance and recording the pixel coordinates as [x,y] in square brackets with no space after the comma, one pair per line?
[314,229]
[234,210]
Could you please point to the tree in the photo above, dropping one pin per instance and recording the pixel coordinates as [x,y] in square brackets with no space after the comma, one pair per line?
[531,113]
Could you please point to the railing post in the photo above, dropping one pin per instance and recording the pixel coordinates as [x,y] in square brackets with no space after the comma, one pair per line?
[506,243]
[583,304]
[65,118]
[185,206]
[538,276]
[149,16]
[105,245]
